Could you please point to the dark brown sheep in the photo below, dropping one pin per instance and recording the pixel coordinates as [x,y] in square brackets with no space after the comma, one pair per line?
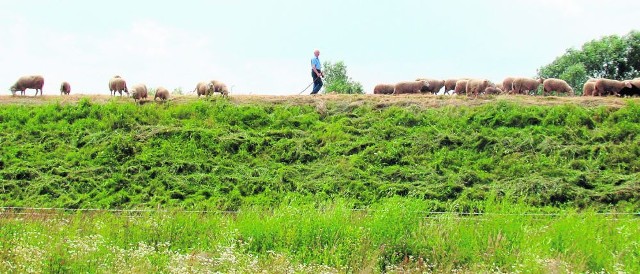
[117,84]
[632,88]
[161,93]
[557,85]
[410,87]
[139,92]
[65,88]
[383,89]
[635,82]
[434,85]
[28,82]
[461,87]
[632,91]
[477,86]
[604,87]
[523,85]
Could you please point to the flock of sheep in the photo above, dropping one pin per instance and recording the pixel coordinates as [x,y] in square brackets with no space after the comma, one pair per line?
[470,87]
[119,85]
[511,85]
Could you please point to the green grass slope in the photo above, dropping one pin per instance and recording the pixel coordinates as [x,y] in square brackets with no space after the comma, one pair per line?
[221,155]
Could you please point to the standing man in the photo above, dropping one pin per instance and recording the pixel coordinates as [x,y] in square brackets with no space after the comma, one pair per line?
[316,72]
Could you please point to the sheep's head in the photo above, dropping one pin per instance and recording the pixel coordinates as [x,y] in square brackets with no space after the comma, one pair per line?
[210,88]
[13,89]
[133,93]
[425,84]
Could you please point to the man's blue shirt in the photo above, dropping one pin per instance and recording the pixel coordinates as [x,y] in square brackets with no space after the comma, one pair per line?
[316,62]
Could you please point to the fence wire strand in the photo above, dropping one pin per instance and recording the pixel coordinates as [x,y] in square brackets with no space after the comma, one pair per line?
[426,214]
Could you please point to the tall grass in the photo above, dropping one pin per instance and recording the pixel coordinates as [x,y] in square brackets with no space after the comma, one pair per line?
[306,236]
[218,155]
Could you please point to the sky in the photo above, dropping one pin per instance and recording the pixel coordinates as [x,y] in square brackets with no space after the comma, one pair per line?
[265,47]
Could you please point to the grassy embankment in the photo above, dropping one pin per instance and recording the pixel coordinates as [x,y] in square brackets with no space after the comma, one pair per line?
[218,155]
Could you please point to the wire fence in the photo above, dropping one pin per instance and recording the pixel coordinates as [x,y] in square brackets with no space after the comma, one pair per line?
[426,214]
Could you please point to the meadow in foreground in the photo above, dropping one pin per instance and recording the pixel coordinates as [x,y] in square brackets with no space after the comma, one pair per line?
[306,237]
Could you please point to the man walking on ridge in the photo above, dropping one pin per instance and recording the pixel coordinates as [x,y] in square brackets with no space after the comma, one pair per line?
[316,72]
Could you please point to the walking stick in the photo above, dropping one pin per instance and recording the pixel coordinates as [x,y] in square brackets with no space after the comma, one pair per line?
[306,88]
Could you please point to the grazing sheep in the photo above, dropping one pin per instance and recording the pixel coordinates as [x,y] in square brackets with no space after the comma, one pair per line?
[493,90]
[410,87]
[117,84]
[523,85]
[25,82]
[139,92]
[632,88]
[587,88]
[450,85]
[461,87]
[632,91]
[434,85]
[65,88]
[635,82]
[161,93]
[557,85]
[202,88]
[604,87]
[507,85]
[477,86]
[383,89]
[217,86]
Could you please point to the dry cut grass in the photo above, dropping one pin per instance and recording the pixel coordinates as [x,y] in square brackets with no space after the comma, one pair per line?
[419,100]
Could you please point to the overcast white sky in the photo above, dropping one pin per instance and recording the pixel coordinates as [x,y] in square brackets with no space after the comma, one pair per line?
[265,47]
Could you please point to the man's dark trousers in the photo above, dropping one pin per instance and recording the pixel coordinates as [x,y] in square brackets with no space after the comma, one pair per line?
[317,82]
